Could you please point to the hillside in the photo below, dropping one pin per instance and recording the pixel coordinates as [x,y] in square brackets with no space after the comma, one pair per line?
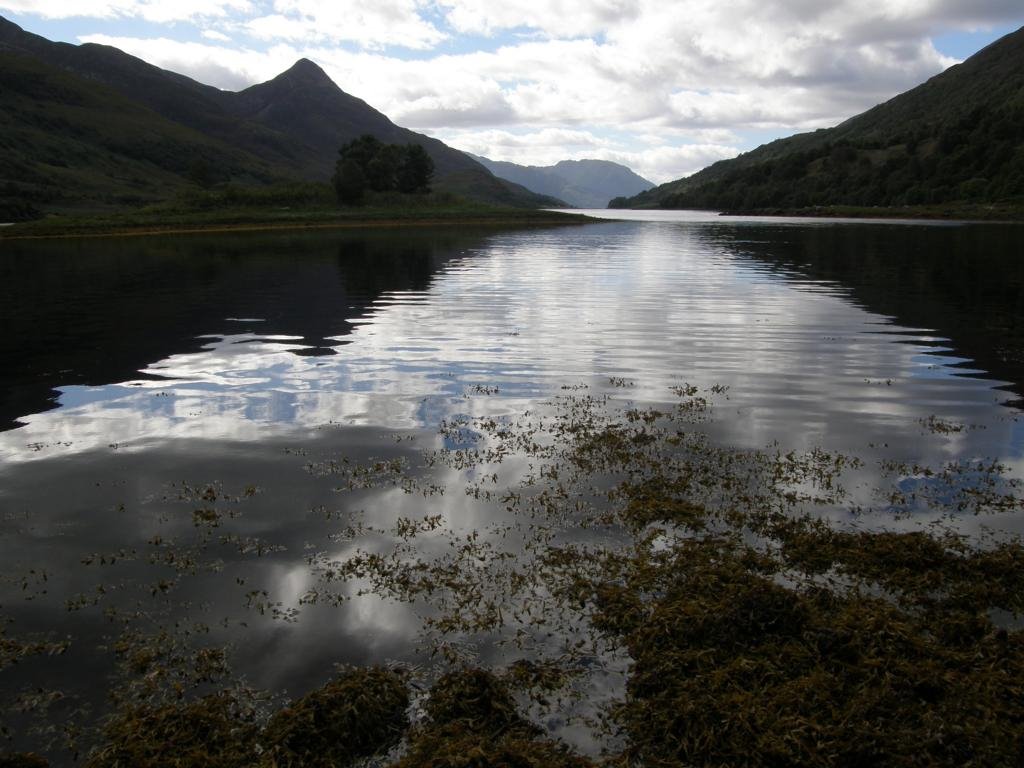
[62,150]
[581,183]
[90,125]
[304,103]
[959,137]
[486,186]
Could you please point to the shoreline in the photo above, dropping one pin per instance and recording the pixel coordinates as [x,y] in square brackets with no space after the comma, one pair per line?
[85,228]
[966,215]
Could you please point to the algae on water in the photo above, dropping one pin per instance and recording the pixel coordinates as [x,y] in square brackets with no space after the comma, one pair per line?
[753,618]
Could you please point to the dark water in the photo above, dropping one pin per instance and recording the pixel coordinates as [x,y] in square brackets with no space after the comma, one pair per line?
[98,312]
[300,330]
[139,372]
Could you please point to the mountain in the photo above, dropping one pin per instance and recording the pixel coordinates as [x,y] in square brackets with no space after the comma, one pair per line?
[480,186]
[581,183]
[90,124]
[959,137]
[69,143]
[303,102]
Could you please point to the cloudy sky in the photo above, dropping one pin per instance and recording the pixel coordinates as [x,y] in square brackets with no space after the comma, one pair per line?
[664,86]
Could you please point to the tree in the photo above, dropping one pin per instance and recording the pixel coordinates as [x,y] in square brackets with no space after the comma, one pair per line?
[416,170]
[367,163]
[382,170]
[349,181]
[351,171]
[361,150]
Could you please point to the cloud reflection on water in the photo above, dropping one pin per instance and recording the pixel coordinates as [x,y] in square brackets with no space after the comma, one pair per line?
[492,325]
[655,303]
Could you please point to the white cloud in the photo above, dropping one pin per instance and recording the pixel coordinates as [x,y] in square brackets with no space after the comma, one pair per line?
[217,65]
[370,23]
[557,18]
[546,146]
[756,108]
[739,20]
[665,163]
[539,147]
[158,11]
[212,34]
[678,82]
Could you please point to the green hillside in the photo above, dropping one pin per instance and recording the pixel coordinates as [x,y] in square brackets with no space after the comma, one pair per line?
[304,103]
[483,185]
[90,126]
[958,138]
[62,149]
[170,95]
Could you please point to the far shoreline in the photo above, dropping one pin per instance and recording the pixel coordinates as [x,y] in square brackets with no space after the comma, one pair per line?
[967,214]
[125,225]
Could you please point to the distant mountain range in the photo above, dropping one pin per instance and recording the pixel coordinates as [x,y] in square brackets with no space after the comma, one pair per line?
[581,183]
[957,138]
[90,125]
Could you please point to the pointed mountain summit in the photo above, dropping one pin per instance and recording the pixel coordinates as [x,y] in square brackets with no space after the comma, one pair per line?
[305,72]
[302,75]
[304,103]
[133,129]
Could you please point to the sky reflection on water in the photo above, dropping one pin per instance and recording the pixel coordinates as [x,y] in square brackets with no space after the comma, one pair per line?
[151,367]
[655,303]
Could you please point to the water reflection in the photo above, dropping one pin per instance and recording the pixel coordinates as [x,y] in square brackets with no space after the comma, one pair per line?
[394,330]
[967,282]
[97,311]
[238,363]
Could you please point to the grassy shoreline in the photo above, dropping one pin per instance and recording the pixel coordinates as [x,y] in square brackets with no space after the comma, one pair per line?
[1004,213]
[156,221]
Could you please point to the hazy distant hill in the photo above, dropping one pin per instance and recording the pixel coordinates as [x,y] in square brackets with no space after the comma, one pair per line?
[581,183]
[91,123]
[957,137]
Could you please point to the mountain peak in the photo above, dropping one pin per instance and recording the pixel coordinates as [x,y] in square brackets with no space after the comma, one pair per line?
[305,72]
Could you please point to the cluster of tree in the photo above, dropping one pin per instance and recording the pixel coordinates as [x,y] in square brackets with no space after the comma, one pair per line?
[978,158]
[367,163]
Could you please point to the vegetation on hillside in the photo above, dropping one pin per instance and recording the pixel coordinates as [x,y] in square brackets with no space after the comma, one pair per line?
[91,129]
[366,163]
[957,139]
[282,206]
[978,158]
[61,149]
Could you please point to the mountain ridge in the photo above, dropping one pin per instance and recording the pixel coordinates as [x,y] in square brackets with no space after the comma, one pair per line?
[581,183]
[289,128]
[957,137]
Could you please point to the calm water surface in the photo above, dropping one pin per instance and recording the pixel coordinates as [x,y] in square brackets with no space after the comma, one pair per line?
[138,372]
